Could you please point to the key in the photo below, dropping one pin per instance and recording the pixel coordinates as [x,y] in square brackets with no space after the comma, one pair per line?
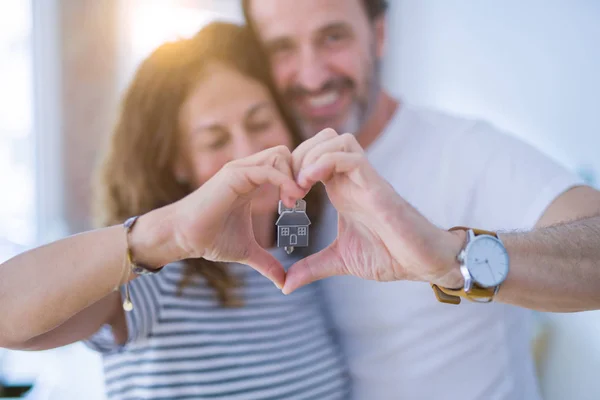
[292,226]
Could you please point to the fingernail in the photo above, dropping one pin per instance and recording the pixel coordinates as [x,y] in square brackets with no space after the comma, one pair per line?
[302,180]
[306,171]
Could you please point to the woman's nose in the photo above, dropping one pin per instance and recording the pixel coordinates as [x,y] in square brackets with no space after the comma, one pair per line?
[246,146]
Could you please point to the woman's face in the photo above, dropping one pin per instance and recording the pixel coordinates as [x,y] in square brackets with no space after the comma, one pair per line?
[228,116]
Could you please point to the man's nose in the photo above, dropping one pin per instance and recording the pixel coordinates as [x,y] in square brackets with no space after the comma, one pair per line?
[312,72]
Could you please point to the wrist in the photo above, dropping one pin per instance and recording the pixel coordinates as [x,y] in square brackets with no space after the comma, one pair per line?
[452,244]
[153,241]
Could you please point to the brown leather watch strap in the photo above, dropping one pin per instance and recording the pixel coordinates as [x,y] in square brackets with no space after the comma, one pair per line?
[477,293]
[476,231]
[444,297]
[453,296]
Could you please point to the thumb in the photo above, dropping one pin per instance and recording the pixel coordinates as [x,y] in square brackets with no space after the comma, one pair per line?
[323,264]
[264,262]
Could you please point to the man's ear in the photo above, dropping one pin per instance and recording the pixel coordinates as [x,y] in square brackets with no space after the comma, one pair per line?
[380,35]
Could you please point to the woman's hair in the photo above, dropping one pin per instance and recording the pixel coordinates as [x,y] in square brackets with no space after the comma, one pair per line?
[137,173]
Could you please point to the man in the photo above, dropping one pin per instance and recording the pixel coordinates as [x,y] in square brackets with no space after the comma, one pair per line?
[400,341]
[382,237]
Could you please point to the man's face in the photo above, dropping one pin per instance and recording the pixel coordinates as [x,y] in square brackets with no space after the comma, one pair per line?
[325,59]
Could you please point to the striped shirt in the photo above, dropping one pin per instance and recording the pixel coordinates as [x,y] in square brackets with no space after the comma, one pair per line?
[188,347]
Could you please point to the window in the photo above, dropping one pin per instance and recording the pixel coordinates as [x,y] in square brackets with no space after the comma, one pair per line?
[17,170]
[31,197]
[285,231]
[152,22]
[302,231]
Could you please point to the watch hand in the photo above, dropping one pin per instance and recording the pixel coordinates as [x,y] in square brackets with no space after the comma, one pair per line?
[490,268]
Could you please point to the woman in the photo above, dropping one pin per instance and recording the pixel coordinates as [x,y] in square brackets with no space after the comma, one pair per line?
[201,151]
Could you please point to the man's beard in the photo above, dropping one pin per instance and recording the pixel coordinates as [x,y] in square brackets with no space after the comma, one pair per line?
[359,111]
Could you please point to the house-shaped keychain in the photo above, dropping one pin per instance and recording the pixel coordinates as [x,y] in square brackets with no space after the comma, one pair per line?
[292,226]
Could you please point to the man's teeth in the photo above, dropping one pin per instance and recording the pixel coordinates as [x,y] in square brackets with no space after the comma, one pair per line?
[324,99]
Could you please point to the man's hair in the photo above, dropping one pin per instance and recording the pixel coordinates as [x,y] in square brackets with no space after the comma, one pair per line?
[374,9]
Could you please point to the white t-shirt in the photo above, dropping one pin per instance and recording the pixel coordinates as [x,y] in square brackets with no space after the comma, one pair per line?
[400,342]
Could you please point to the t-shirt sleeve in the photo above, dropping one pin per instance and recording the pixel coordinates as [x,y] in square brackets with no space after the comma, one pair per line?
[513,183]
[144,293]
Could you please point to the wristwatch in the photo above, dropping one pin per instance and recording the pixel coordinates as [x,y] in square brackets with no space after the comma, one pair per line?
[484,265]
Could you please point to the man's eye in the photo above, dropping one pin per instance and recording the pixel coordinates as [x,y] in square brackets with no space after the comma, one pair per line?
[334,37]
[280,49]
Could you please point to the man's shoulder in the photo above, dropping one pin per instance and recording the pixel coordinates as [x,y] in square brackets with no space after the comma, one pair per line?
[463,133]
[425,136]
[436,120]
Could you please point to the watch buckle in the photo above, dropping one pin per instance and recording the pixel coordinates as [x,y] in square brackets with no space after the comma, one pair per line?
[444,297]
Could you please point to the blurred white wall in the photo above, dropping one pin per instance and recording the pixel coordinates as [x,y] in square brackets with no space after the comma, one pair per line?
[532,68]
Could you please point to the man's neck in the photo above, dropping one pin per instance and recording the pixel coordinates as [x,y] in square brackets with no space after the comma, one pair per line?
[385,108]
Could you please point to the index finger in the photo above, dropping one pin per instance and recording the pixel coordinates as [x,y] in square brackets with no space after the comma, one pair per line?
[300,152]
[279,157]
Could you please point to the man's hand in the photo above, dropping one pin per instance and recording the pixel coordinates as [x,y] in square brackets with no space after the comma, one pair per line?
[380,236]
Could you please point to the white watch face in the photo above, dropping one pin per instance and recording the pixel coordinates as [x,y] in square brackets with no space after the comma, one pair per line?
[487,261]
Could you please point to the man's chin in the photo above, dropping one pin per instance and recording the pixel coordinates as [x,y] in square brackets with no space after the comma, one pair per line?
[311,129]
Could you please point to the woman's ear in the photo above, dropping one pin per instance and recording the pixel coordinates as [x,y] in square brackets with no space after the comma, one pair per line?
[180,170]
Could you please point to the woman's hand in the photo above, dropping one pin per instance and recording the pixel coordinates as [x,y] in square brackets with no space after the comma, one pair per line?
[380,236]
[214,222]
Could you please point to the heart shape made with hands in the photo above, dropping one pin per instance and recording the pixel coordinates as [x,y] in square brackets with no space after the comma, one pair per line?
[380,236]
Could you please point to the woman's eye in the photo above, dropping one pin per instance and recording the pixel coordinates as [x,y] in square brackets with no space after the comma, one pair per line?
[216,144]
[258,127]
